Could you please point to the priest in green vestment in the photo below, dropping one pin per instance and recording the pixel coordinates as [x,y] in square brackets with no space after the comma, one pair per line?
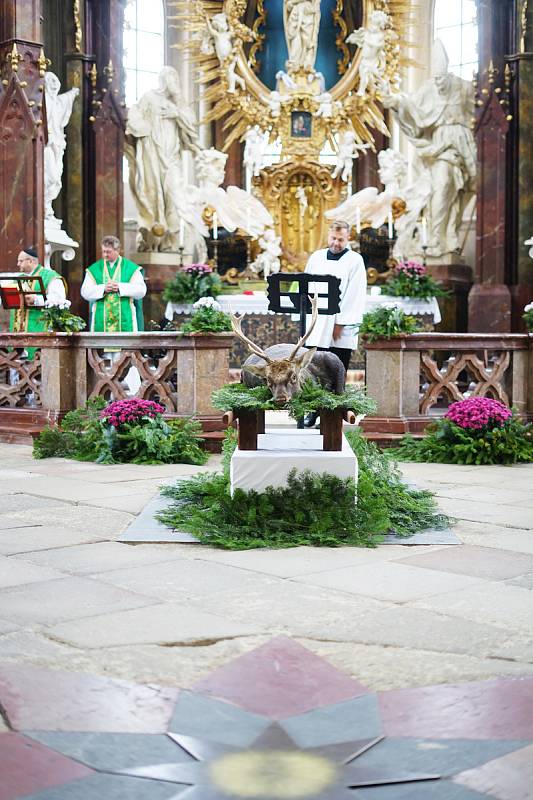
[29,319]
[114,286]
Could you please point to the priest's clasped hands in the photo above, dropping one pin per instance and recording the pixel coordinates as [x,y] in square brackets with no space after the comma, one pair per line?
[110,287]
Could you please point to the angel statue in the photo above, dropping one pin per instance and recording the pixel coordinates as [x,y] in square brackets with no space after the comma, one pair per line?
[268,261]
[301,20]
[254,143]
[58,111]
[348,150]
[393,174]
[372,41]
[219,37]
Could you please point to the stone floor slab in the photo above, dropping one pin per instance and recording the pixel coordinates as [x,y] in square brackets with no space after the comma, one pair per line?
[13,503]
[204,717]
[505,515]
[7,626]
[507,778]
[431,536]
[506,606]
[495,536]
[163,624]
[336,723]
[498,709]
[34,538]
[394,582]
[16,572]
[44,700]
[132,503]
[99,557]
[282,679]
[480,562]
[26,765]
[112,751]
[50,602]
[110,787]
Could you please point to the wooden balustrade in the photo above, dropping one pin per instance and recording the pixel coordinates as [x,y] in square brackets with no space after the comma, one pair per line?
[178,371]
[414,378]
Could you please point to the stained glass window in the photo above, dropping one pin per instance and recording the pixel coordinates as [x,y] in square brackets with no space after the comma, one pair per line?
[455,24]
[144,46]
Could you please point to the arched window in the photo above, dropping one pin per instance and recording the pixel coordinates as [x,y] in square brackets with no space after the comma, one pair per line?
[144,46]
[455,24]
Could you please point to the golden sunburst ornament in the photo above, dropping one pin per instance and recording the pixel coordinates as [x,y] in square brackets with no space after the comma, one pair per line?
[216,33]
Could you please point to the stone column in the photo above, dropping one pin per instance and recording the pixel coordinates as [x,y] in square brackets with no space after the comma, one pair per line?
[22,135]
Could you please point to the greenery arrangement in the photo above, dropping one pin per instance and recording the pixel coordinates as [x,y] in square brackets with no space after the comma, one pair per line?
[411,279]
[528,316]
[386,323]
[207,318]
[311,397]
[125,432]
[474,431]
[192,282]
[316,510]
[58,318]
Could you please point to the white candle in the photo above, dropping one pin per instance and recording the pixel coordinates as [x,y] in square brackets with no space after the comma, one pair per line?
[215,225]
[248,221]
[390,226]
[248,180]
[182,231]
[358,220]
[424,232]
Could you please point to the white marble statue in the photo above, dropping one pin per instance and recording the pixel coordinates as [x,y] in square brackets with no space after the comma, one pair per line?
[219,38]
[58,112]
[348,150]
[235,207]
[393,174]
[372,41]
[301,20]
[160,128]
[267,262]
[436,119]
[368,207]
[325,108]
[254,145]
[301,196]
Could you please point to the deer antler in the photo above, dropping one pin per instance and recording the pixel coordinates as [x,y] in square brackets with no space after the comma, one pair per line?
[236,322]
[314,317]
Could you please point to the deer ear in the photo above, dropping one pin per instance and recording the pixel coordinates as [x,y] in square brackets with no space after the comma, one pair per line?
[305,358]
[255,369]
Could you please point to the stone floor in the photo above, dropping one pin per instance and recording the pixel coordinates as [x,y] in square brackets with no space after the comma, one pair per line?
[101,636]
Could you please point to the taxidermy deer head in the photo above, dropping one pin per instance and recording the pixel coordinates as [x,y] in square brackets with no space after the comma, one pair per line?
[281,367]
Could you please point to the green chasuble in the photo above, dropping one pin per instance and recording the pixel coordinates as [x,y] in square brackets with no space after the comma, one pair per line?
[30,320]
[114,313]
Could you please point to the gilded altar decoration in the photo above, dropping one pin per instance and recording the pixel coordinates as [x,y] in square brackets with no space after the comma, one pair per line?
[303,106]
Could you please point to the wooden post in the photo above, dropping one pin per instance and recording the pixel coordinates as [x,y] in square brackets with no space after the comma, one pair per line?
[331,426]
[248,424]
[261,421]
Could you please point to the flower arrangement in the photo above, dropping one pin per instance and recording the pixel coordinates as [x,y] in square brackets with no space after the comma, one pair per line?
[385,323]
[477,430]
[191,282]
[133,410]
[411,279]
[528,316]
[475,413]
[131,431]
[57,317]
[207,317]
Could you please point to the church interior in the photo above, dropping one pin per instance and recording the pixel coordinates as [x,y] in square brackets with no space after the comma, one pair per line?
[165,164]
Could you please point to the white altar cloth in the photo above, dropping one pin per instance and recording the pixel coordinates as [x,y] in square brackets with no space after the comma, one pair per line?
[281,451]
[257,303]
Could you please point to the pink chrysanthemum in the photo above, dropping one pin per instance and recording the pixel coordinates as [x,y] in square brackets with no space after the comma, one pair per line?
[478,412]
[132,410]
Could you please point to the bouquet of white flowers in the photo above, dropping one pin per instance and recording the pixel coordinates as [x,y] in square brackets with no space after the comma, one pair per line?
[528,316]
[57,318]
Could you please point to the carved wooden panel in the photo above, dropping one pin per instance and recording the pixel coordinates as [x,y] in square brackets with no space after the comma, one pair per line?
[462,375]
[20,380]
[156,370]
[108,151]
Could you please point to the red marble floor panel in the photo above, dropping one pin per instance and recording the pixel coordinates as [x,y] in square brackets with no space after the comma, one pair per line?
[506,778]
[495,709]
[279,679]
[38,699]
[27,767]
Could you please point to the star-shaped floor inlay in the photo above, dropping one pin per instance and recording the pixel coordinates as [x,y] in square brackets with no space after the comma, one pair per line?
[273,767]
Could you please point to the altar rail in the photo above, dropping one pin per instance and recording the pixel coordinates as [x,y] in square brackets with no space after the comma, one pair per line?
[178,371]
[415,378]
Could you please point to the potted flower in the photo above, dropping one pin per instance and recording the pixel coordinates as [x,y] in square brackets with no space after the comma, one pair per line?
[191,282]
[207,317]
[411,279]
[58,318]
[386,323]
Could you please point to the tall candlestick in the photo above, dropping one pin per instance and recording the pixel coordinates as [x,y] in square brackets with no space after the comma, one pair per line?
[390,227]
[215,225]
[358,220]
[182,232]
[424,232]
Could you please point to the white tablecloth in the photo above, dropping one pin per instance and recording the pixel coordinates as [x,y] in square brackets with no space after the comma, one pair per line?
[258,304]
[281,451]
